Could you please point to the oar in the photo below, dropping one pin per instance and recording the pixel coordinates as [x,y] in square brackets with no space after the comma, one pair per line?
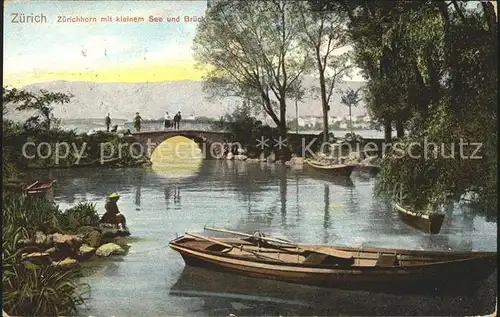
[321,250]
[251,236]
[230,246]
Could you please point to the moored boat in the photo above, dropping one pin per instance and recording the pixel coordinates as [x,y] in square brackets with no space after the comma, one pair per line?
[429,222]
[335,169]
[334,266]
[40,189]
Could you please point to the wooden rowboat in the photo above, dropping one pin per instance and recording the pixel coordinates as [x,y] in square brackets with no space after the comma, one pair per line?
[40,189]
[342,267]
[427,222]
[335,170]
[39,186]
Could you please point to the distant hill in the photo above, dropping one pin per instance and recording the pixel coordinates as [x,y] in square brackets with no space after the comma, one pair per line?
[122,100]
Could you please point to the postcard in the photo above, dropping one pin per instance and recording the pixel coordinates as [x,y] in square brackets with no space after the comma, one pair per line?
[249,158]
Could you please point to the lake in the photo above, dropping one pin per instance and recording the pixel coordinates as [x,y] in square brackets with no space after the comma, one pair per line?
[86,126]
[161,204]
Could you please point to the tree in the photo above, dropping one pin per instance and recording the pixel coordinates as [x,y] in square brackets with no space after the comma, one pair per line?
[324,32]
[41,103]
[436,71]
[245,127]
[250,50]
[431,69]
[350,98]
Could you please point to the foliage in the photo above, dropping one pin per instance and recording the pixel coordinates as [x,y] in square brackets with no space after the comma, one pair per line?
[245,127]
[30,214]
[350,98]
[29,289]
[250,51]
[34,214]
[83,214]
[41,103]
[74,149]
[431,70]
[322,33]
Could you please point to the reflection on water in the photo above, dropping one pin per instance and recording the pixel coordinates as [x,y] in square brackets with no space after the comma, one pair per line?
[177,156]
[138,197]
[247,197]
[222,294]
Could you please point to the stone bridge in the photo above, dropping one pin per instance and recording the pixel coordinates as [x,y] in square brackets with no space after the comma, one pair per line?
[210,142]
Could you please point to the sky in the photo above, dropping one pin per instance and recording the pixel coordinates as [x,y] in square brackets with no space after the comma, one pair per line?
[100,51]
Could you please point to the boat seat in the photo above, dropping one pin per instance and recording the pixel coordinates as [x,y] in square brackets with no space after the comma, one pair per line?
[326,259]
[315,258]
[387,260]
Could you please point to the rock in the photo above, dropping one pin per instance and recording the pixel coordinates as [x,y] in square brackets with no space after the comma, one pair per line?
[69,239]
[25,243]
[85,252]
[85,230]
[109,249]
[85,249]
[66,263]
[36,257]
[66,245]
[63,251]
[40,238]
[122,242]
[93,239]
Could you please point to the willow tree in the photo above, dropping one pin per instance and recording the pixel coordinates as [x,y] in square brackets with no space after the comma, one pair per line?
[433,65]
[324,35]
[250,50]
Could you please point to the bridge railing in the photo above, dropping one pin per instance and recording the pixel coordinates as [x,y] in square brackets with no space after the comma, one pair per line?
[149,126]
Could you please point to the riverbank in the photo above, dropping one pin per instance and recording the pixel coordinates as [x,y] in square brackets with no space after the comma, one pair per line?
[42,249]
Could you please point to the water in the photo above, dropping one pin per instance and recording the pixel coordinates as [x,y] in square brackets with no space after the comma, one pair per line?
[159,205]
[85,126]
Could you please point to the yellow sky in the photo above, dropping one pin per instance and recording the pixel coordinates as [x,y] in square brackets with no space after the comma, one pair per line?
[125,73]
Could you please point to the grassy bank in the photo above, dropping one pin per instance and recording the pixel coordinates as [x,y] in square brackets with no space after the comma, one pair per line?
[30,288]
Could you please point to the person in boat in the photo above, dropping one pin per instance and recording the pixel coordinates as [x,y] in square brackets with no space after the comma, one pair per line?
[113,215]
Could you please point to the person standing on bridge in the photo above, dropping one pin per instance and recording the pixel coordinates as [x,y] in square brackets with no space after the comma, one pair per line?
[137,122]
[177,120]
[108,122]
[168,121]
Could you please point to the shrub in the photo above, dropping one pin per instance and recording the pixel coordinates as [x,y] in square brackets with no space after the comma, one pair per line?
[28,289]
[31,290]
[30,213]
[83,214]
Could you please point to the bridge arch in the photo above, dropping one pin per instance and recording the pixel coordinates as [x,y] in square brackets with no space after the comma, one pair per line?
[210,142]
